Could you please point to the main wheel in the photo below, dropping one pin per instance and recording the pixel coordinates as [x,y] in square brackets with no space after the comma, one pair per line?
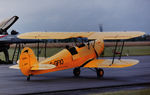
[76,72]
[100,73]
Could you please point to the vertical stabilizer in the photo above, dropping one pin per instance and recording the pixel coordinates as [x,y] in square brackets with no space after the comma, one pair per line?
[6,24]
[27,61]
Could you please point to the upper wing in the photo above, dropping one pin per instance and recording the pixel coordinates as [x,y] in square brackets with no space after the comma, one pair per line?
[116,35]
[107,63]
[89,35]
[54,35]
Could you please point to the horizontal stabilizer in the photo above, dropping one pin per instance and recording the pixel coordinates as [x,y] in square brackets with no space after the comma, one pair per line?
[14,67]
[107,63]
[42,66]
[36,67]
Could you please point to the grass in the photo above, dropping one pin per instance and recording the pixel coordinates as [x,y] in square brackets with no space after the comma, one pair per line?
[128,51]
[127,92]
[50,52]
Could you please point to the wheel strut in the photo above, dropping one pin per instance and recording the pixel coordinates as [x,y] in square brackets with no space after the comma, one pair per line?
[28,78]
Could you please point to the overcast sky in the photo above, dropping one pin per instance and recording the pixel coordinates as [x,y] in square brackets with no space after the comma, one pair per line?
[77,15]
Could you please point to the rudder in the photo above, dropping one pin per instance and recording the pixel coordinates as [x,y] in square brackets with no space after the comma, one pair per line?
[27,60]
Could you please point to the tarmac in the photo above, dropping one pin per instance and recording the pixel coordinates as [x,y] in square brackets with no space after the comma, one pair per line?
[13,82]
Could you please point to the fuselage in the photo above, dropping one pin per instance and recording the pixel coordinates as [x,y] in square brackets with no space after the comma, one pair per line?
[73,57]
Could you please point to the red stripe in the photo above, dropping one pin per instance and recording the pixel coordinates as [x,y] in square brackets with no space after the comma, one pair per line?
[1,36]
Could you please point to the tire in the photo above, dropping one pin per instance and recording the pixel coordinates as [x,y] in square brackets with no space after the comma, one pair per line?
[76,72]
[28,78]
[100,73]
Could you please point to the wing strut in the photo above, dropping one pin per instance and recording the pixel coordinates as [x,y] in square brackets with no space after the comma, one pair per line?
[38,46]
[45,48]
[121,49]
[114,52]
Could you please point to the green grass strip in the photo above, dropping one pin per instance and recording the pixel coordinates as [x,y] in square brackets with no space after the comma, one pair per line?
[126,92]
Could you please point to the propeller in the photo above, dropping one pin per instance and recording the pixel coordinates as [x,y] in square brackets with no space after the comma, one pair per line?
[101,27]
[101,30]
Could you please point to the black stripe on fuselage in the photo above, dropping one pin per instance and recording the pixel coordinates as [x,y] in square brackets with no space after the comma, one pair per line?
[95,52]
[86,62]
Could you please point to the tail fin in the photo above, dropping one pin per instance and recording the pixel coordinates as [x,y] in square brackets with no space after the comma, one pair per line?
[6,24]
[27,60]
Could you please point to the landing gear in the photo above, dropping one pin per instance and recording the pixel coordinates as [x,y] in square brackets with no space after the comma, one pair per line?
[28,78]
[76,72]
[6,55]
[99,72]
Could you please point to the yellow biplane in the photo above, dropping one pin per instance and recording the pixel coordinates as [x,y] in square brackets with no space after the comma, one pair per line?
[84,55]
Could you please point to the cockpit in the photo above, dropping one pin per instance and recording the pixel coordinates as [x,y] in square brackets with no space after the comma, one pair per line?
[72,50]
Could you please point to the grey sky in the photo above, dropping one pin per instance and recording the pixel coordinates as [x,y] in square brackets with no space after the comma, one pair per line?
[77,15]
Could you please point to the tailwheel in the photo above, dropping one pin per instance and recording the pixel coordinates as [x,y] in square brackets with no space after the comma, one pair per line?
[76,72]
[100,72]
[28,78]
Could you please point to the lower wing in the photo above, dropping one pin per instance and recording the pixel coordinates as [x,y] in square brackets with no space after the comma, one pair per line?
[107,63]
